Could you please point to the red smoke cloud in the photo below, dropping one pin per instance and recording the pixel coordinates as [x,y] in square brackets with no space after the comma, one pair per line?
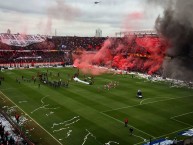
[144,54]
[133,53]
[132,21]
[85,62]
[135,15]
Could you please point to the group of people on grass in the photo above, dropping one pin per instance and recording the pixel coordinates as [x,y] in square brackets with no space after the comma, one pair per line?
[110,85]
[44,78]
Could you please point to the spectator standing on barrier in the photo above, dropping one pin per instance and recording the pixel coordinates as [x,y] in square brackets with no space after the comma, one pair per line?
[2,130]
[11,141]
[6,135]
[17,118]
[175,141]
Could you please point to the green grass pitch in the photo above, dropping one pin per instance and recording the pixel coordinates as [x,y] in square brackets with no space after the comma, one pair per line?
[91,115]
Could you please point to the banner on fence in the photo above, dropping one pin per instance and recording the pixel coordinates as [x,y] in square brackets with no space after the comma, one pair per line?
[21,40]
[160,142]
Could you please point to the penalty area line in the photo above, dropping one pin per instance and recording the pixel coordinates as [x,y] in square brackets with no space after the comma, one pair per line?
[145,104]
[129,125]
[139,137]
[174,118]
[153,98]
[30,117]
[182,122]
[181,115]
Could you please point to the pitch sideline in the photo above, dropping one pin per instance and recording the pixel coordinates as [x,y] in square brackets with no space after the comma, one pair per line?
[30,117]
[182,122]
[181,115]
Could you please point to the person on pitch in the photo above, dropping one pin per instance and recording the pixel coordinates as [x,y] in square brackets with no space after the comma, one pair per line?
[126,122]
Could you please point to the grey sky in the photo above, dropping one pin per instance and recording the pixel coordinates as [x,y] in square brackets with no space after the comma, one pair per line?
[76,17]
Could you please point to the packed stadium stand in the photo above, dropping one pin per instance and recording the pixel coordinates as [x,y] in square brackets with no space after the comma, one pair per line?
[22,50]
[52,49]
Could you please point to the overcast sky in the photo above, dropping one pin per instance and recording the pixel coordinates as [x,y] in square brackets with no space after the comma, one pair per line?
[76,17]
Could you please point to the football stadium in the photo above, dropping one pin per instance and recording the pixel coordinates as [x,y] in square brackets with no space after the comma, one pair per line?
[127,86]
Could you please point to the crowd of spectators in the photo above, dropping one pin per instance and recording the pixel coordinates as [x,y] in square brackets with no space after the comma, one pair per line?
[4,46]
[5,136]
[134,44]
[32,57]
[87,43]
[55,49]
[59,49]
[61,43]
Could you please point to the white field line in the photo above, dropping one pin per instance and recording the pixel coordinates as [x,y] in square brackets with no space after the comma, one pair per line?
[182,122]
[140,143]
[173,118]
[22,102]
[144,100]
[139,137]
[31,118]
[57,130]
[2,99]
[90,134]
[68,133]
[85,138]
[66,121]
[109,143]
[103,112]
[181,115]
[43,106]
[152,98]
[130,125]
[165,135]
[144,104]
